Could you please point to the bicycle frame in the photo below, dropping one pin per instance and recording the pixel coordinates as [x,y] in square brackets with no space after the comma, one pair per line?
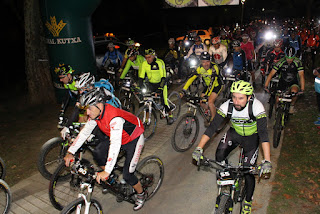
[86,198]
[193,102]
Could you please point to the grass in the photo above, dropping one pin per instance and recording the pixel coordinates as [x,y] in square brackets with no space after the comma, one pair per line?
[296,185]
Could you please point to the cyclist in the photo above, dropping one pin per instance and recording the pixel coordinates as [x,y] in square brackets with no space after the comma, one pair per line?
[209,72]
[218,51]
[124,130]
[295,42]
[171,56]
[224,40]
[155,70]
[312,44]
[112,56]
[273,56]
[134,61]
[197,48]
[64,73]
[248,128]
[131,45]
[291,72]
[247,47]
[237,57]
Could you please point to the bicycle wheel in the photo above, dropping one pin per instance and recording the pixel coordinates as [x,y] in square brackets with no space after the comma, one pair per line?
[95,207]
[224,205]
[174,101]
[5,197]
[2,169]
[63,187]
[150,172]
[277,128]
[51,155]
[186,133]
[127,104]
[149,126]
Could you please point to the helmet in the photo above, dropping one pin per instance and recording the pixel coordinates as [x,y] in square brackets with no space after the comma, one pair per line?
[85,80]
[171,41]
[94,96]
[236,43]
[290,52]
[111,45]
[241,87]
[130,42]
[277,43]
[245,36]
[205,56]
[63,69]
[150,51]
[216,40]
[105,84]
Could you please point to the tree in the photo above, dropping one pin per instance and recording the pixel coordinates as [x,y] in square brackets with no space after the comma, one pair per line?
[40,87]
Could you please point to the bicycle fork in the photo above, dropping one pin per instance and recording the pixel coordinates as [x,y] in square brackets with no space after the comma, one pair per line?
[86,198]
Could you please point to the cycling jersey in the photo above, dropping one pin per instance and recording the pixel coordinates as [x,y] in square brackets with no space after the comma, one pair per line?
[241,121]
[317,84]
[248,49]
[134,64]
[121,126]
[209,76]
[115,57]
[273,57]
[71,86]
[226,42]
[218,55]
[238,59]
[155,71]
[197,50]
[288,73]
[295,43]
[313,41]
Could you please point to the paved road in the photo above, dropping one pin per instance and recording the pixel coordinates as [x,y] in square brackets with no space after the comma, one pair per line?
[184,189]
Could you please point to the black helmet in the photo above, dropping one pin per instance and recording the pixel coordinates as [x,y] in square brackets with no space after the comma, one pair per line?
[205,56]
[236,43]
[290,52]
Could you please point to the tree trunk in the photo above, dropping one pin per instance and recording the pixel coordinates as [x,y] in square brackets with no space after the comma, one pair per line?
[40,87]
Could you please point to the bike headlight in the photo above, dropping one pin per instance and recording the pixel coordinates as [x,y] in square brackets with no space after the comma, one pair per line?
[187,43]
[193,62]
[269,35]
[228,70]
[144,90]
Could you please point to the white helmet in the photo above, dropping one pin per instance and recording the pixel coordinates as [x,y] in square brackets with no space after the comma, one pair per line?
[94,96]
[85,80]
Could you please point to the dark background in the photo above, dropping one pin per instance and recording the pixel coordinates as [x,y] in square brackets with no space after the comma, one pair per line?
[145,21]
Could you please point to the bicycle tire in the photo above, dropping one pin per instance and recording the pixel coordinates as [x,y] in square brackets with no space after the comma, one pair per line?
[6,197]
[2,169]
[181,144]
[223,205]
[152,180]
[51,155]
[150,129]
[127,104]
[277,129]
[62,189]
[71,208]
[174,98]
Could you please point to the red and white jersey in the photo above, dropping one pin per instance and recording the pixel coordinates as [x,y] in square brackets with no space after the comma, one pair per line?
[218,55]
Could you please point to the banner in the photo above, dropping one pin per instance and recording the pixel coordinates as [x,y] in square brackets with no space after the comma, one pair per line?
[199,3]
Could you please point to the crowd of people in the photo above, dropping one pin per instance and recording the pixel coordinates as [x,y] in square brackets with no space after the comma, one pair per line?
[277,49]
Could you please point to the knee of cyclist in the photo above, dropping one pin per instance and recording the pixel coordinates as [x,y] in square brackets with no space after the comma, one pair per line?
[130,178]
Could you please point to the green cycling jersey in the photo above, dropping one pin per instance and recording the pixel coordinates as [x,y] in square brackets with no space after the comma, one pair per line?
[155,71]
[136,64]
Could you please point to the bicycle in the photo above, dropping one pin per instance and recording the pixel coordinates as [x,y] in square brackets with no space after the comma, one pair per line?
[152,103]
[230,181]
[282,114]
[187,129]
[5,192]
[272,90]
[150,172]
[230,76]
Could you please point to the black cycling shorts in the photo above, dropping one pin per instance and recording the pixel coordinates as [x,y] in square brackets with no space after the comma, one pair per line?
[232,139]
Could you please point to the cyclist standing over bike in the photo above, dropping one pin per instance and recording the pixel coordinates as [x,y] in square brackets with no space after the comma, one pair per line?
[155,70]
[134,61]
[312,44]
[248,48]
[237,57]
[124,130]
[291,73]
[248,128]
[112,56]
[197,48]
[295,42]
[273,56]
[209,72]
[218,51]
